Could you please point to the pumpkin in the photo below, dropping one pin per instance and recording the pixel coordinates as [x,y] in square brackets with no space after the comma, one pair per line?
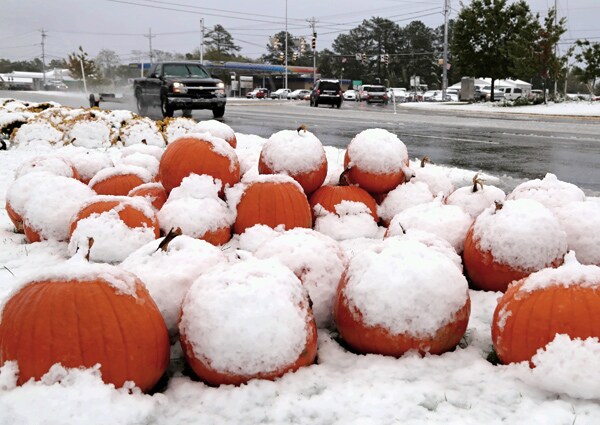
[403,197]
[510,241]
[199,154]
[83,315]
[476,198]
[16,218]
[52,164]
[154,192]
[272,200]
[378,161]
[217,129]
[565,300]
[389,301]
[299,154]
[119,181]
[271,332]
[329,196]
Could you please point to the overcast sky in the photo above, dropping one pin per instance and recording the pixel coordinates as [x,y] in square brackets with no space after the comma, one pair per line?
[120,25]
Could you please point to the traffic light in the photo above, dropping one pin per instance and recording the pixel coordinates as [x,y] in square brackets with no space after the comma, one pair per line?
[295,56]
[386,59]
[313,43]
[364,58]
[281,56]
[302,45]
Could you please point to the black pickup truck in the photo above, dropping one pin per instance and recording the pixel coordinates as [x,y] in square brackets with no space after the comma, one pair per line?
[179,85]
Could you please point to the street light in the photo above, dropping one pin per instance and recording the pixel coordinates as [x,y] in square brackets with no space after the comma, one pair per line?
[286,45]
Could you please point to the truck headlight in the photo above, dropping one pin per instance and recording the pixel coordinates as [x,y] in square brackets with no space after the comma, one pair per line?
[221,85]
[179,87]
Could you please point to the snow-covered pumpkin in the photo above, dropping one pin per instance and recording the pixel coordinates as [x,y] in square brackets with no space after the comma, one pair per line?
[563,300]
[141,130]
[435,177]
[402,296]
[329,196]
[510,241]
[581,222]
[269,199]
[154,192]
[299,154]
[249,320]
[317,260]
[168,267]
[350,220]
[36,133]
[18,193]
[198,154]
[87,162]
[119,180]
[118,226]
[549,191]
[175,127]
[51,164]
[403,197]
[80,315]
[217,129]
[476,198]
[378,160]
[142,160]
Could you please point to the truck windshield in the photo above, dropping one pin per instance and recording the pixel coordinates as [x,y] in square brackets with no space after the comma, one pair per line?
[184,70]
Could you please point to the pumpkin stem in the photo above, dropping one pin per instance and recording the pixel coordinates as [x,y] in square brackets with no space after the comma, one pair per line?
[144,142]
[344,179]
[425,160]
[173,233]
[477,181]
[302,127]
[499,205]
[90,244]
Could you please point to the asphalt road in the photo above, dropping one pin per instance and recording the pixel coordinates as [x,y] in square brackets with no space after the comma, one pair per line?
[512,147]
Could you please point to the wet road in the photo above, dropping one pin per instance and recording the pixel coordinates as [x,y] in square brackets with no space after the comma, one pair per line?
[512,147]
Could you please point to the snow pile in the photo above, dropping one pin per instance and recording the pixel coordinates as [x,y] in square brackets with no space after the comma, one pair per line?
[377,151]
[351,220]
[435,177]
[246,318]
[581,222]
[314,258]
[12,120]
[174,128]
[403,197]
[550,192]
[196,186]
[248,151]
[168,273]
[293,152]
[522,234]
[449,222]
[55,165]
[406,288]
[141,130]
[195,217]
[37,132]
[254,237]
[475,202]
[217,129]
[89,133]
[335,164]
[119,117]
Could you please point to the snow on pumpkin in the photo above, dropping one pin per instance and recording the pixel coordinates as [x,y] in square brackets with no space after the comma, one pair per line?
[562,300]
[174,128]
[476,198]
[449,222]
[119,180]
[581,221]
[254,237]
[89,133]
[403,197]
[437,178]
[154,151]
[87,162]
[217,129]
[402,296]
[510,241]
[299,154]
[55,165]
[248,151]
[184,258]
[152,192]
[317,260]
[247,320]
[196,186]
[141,130]
[142,160]
[351,220]
[37,133]
[550,192]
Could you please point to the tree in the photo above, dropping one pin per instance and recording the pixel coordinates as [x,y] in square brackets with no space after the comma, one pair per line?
[219,44]
[276,50]
[488,37]
[589,57]
[74,64]
[107,62]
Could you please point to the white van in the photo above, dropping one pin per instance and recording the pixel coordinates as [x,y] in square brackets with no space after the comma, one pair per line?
[514,93]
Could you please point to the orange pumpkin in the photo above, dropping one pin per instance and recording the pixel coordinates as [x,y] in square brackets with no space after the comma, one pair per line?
[154,192]
[16,219]
[118,184]
[379,340]
[310,180]
[218,237]
[330,196]
[272,203]
[188,155]
[83,320]
[525,321]
[376,183]
[131,216]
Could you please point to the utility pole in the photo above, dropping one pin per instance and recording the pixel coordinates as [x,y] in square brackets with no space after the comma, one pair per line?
[43,57]
[202,40]
[150,37]
[313,22]
[445,64]
[286,46]
[555,48]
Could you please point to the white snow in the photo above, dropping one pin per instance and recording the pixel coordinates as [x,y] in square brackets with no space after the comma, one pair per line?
[377,151]
[36,133]
[403,197]
[52,164]
[195,217]
[154,151]
[141,130]
[581,222]
[475,202]
[248,151]
[293,152]
[436,177]
[217,129]
[174,128]
[196,186]
[550,192]
[87,162]
[142,160]
[120,170]
[89,134]
[351,220]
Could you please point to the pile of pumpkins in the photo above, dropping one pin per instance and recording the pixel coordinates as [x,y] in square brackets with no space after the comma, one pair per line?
[406,292]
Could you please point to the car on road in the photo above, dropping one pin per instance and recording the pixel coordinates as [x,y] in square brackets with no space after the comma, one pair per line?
[184,85]
[280,94]
[299,94]
[258,93]
[375,94]
[55,86]
[350,95]
[484,94]
[327,92]
[397,94]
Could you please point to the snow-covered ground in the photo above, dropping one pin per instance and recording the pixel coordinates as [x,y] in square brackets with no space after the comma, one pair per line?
[459,387]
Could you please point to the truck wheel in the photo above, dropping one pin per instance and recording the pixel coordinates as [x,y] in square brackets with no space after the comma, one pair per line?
[166,109]
[187,113]
[93,101]
[218,111]
[142,107]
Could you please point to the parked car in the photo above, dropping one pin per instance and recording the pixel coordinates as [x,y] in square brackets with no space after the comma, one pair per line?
[258,93]
[397,94]
[280,94]
[350,95]
[327,92]
[513,93]
[55,86]
[484,94]
[375,94]
[299,94]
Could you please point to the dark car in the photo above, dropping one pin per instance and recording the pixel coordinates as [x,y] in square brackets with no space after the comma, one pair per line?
[180,85]
[374,94]
[327,92]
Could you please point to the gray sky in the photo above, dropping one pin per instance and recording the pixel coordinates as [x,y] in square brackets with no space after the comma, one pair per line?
[120,25]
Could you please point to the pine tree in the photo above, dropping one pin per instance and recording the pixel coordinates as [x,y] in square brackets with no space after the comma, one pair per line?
[589,56]
[76,60]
